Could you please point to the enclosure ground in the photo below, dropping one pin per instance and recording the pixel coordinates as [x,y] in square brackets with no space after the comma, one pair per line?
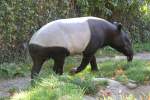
[8,86]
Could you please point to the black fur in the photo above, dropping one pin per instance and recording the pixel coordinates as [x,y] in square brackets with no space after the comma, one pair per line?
[103,34]
[40,54]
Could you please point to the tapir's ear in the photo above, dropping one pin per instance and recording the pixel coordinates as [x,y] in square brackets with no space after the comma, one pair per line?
[119,25]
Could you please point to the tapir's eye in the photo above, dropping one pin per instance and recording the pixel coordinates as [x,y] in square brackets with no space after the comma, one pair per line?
[130,40]
[127,41]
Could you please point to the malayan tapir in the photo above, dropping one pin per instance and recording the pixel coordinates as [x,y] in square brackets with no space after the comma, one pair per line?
[83,35]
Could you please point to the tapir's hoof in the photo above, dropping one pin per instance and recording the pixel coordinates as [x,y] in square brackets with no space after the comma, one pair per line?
[95,70]
[33,83]
[73,71]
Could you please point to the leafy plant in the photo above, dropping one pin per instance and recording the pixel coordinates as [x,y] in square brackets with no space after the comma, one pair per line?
[10,70]
[20,19]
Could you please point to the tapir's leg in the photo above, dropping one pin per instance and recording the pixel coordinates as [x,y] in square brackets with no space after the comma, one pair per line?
[85,61]
[58,65]
[37,64]
[93,64]
[38,56]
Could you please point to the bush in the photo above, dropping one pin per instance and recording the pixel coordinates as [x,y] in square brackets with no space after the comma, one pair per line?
[134,15]
[20,19]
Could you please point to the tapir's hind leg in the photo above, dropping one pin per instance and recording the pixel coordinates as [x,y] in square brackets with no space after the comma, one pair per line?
[93,64]
[58,64]
[37,64]
[38,56]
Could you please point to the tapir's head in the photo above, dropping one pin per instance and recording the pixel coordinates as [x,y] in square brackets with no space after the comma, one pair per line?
[121,42]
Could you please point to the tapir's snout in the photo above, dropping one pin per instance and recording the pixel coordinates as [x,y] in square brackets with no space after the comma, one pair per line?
[130,58]
[130,55]
[128,52]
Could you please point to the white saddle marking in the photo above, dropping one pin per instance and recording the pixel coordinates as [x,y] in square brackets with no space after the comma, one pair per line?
[73,34]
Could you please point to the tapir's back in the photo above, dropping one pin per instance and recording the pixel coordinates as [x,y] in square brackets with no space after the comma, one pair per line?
[72,34]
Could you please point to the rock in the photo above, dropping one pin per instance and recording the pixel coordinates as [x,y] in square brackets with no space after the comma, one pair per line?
[110,82]
[113,83]
[89,98]
[131,85]
[4,94]
[65,97]
[100,79]
[132,81]
[14,84]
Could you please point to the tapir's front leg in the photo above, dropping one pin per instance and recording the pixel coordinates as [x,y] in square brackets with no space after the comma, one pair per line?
[93,64]
[85,61]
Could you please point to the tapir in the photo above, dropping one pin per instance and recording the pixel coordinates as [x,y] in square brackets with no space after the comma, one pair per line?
[82,35]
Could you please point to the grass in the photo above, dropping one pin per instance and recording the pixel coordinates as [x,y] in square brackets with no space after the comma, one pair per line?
[119,70]
[142,47]
[51,88]
[85,82]
[122,71]
[65,87]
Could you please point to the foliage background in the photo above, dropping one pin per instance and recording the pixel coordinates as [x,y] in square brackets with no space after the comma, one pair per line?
[19,19]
